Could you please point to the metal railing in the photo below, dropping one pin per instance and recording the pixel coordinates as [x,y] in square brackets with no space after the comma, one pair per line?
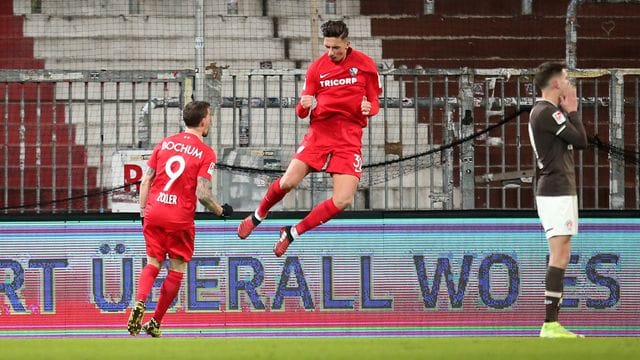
[425,109]
[61,130]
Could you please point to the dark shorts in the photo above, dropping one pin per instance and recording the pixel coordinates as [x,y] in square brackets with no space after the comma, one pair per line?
[176,243]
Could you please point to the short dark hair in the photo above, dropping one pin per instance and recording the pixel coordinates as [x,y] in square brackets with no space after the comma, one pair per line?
[335,28]
[194,112]
[546,71]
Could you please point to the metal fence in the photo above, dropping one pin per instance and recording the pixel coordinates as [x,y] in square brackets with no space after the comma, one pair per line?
[424,110]
[63,134]
[60,131]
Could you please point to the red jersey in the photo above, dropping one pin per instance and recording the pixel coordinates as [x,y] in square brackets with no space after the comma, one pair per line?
[178,161]
[340,87]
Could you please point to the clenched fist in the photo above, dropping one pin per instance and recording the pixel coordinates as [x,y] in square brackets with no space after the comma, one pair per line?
[306,101]
[365,106]
[227,210]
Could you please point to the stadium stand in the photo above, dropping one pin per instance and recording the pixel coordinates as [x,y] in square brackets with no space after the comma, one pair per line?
[494,34]
[491,34]
[18,53]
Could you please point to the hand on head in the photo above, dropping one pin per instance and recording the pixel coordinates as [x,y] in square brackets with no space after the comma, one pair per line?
[569,100]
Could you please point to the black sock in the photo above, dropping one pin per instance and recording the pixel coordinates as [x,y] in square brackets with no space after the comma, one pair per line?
[255,220]
[553,293]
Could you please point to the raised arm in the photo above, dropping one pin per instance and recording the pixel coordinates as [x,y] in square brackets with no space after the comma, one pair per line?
[308,92]
[572,131]
[373,91]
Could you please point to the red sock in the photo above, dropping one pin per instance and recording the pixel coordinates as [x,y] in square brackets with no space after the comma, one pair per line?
[168,292]
[320,214]
[273,196]
[147,277]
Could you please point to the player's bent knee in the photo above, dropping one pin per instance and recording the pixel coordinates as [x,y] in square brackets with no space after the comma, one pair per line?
[153,261]
[178,265]
[288,185]
[343,203]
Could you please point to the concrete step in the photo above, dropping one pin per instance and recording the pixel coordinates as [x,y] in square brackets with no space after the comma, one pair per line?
[11,26]
[518,63]
[16,47]
[47,173]
[21,63]
[406,7]
[300,26]
[78,154]
[174,48]
[150,8]
[487,7]
[31,113]
[506,48]
[126,26]
[58,61]
[62,133]
[598,9]
[6,7]
[493,7]
[287,8]
[500,27]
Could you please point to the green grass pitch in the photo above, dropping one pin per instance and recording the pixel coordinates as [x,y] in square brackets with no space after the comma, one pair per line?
[322,348]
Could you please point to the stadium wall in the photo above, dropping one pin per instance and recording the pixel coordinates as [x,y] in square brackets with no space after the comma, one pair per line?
[364,274]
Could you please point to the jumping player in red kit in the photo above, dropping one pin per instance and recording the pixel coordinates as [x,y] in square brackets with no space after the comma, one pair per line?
[180,170]
[341,91]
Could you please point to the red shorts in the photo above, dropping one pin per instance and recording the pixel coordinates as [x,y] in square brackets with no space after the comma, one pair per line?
[177,243]
[336,145]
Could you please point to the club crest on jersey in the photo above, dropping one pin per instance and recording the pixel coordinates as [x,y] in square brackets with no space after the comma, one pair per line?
[558,116]
[353,71]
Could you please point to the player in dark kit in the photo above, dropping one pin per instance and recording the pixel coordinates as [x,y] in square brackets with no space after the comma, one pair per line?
[555,129]
[180,170]
[340,93]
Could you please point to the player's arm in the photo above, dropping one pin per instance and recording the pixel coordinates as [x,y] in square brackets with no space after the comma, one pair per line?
[371,104]
[145,184]
[568,128]
[203,192]
[572,131]
[308,92]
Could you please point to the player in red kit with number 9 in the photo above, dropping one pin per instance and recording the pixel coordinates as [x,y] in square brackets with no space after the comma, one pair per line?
[180,170]
[340,93]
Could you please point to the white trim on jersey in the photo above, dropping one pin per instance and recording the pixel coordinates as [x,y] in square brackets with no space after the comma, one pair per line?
[561,129]
[533,146]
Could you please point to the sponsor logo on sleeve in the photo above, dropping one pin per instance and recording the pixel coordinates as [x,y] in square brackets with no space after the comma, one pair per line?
[558,116]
